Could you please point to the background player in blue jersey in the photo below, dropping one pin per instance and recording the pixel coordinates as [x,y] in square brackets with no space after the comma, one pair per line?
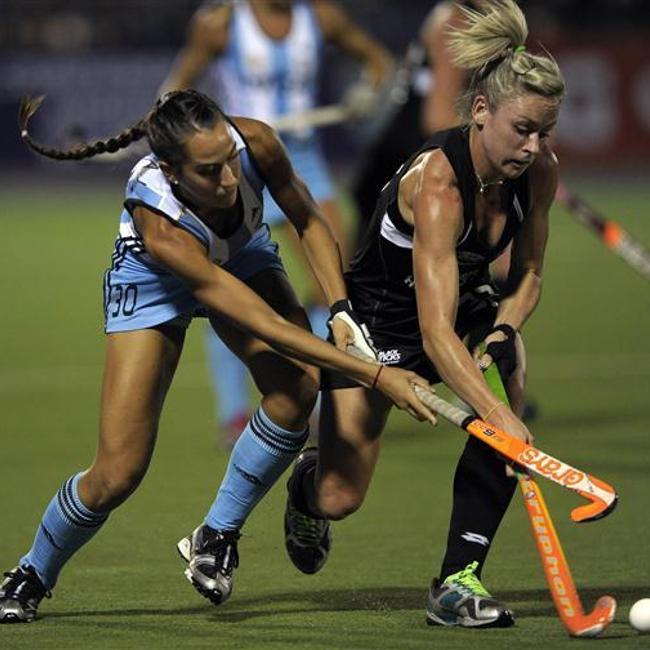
[421,282]
[189,234]
[263,58]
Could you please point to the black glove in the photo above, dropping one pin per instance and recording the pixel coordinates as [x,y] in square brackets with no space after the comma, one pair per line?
[342,309]
[503,353]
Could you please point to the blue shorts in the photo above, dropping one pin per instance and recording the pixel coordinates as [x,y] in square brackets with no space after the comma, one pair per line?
[309,163]
[140,296]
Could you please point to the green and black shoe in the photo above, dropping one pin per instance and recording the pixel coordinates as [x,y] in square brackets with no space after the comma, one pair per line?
[308,540]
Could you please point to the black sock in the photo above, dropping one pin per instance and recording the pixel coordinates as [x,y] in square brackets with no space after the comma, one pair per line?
[482,492]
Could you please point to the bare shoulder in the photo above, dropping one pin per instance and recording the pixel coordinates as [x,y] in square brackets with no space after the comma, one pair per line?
[263,141]
[431,172]
[443,16]
[261,137]
[210,24]
[438,17]
[330,16]
[429,191]
[156,230]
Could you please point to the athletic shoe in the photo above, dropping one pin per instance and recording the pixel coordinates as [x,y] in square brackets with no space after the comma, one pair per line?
[20,594]
[462,600]
[307,539]
[211,557]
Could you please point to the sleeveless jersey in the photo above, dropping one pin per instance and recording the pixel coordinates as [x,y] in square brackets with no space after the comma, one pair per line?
[148,187]
[139,292]
[380,280]
[261,77]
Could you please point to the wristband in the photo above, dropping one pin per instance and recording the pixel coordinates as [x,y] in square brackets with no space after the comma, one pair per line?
[494,408]
[374,381]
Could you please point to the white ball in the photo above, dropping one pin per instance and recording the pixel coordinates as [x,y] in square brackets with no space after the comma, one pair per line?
[640,615]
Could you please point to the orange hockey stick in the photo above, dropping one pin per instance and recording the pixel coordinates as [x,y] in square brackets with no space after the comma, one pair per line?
[602,496]
[556,568]
[557,572]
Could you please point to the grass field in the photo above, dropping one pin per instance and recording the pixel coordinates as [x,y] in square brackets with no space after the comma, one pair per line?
[589,369]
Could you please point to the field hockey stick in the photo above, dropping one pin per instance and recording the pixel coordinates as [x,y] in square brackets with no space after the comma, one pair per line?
[312,118]
[289,123]
[358,101]
[554,563]
[608,231]
[602,496]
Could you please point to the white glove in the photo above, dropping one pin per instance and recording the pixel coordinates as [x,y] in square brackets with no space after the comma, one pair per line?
[360,99]
[360,337]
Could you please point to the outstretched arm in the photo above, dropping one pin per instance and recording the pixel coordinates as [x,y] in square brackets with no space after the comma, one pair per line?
[524,284]
[218,290]
[430,196]
[297,203]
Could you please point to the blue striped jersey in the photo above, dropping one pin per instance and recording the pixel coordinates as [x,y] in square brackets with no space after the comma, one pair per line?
[261,77]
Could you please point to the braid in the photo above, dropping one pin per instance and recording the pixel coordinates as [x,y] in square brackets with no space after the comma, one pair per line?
[30,105]
[174,118]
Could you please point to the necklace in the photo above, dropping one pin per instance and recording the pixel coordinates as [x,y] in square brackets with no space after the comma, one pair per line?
[482,185]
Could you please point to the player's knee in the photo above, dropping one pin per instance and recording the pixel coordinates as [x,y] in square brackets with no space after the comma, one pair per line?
[293,407]
[340,504]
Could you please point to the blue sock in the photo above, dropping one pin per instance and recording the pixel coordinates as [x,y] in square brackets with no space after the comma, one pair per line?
[263,451]
[65,527]
[229,380]
[318,317]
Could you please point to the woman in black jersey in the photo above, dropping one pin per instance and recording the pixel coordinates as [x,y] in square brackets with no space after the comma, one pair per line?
[420,282]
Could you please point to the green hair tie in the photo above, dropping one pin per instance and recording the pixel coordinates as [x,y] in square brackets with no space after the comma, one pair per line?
[519,48]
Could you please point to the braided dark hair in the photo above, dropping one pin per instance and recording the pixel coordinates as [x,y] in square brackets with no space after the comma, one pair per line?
[173,118]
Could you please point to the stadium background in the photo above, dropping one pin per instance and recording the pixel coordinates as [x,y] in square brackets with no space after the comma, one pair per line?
[100,64]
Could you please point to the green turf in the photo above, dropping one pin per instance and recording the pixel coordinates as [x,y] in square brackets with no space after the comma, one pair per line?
[589,370]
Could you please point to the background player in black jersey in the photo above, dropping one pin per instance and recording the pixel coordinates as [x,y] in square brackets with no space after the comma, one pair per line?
[420,281]
[421,102]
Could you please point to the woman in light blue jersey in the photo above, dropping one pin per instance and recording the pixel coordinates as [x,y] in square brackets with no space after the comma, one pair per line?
[190,233]
[263,57]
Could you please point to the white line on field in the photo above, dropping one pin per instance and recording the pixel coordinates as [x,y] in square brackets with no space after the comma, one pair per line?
[193,375]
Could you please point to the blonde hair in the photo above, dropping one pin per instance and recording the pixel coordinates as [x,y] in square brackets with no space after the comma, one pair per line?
[490,44]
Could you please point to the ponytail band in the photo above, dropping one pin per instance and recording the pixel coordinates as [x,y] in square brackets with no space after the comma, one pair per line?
[519,48]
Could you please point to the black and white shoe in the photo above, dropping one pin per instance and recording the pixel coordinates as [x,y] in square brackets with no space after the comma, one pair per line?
[20,594]
[211,557]
[308,540]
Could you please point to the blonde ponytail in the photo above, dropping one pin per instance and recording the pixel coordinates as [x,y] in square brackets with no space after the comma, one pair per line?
[491,45]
